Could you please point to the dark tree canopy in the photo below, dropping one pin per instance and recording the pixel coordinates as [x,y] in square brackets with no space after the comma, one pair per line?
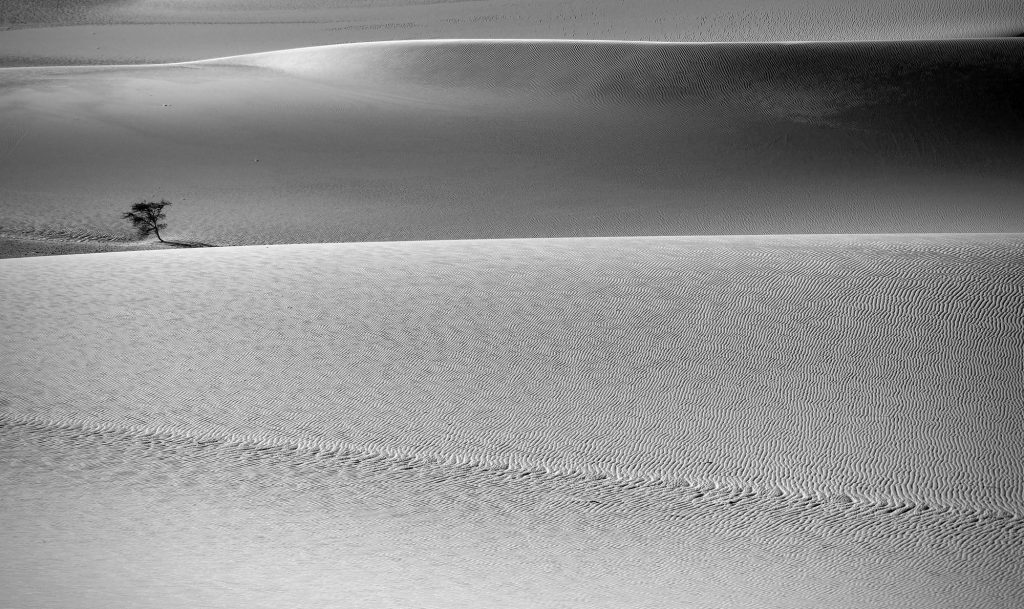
[146,217]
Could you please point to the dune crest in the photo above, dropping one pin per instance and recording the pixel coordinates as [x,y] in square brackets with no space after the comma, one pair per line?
[502,139]
[153,31]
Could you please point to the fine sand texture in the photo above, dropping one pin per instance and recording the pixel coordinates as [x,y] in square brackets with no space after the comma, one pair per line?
[522,139]
[784,421]
[512,304]
[60,32]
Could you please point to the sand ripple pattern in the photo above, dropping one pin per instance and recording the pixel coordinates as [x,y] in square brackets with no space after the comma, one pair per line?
[886,370]
[798,421]
[166,510]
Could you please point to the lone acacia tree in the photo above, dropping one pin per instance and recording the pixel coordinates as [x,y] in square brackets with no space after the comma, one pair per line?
[146,217]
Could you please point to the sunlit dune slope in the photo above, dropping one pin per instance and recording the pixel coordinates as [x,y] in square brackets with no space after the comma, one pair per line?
[721,421]
[879,369]
[123,31]
[129,517]
[464,139]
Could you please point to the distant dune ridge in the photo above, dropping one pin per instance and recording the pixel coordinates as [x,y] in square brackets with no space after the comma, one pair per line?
[58,32]
[749,337]
[839,416]
[484,139]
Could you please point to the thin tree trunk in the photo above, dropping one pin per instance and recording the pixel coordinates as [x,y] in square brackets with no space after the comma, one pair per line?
[159,238]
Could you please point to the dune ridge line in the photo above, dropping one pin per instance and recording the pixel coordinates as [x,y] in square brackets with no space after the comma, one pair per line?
[517,41]
[425,140]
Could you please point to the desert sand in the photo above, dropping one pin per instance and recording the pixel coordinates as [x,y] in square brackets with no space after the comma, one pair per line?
[61,32]
[731,421]
[505,139]
[512,304]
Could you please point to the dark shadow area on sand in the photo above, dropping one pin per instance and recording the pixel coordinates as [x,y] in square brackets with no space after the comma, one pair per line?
[187,244]
[22,246]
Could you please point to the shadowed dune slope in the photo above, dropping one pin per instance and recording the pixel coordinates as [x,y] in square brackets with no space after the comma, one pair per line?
[133,31]
[721,421]
[483,139]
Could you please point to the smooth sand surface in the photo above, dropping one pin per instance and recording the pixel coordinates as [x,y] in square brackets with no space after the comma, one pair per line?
[59,32]
[507,139]
[647,422]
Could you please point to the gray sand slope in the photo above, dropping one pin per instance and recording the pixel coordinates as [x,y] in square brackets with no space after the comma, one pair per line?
[485,139]
[58,32]
[646,422]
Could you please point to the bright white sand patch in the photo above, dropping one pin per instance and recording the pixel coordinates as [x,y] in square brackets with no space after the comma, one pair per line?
[721,422]
[473,139]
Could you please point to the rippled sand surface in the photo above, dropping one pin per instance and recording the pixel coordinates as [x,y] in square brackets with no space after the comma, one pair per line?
[648,422]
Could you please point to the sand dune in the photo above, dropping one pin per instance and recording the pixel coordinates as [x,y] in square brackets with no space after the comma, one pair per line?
[728,345]
[132,31]
[463,139]
[730,421]
[623,321]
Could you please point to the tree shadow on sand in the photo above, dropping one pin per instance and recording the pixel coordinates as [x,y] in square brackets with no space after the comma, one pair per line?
[187,243]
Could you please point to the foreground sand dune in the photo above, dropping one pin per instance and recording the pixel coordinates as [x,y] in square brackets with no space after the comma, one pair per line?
[149,31]
[728,421]
[484,139]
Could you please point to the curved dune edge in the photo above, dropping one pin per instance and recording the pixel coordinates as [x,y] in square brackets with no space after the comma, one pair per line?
[413,43]
[427,140]
[598,42]
[152,32]
[431,42]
